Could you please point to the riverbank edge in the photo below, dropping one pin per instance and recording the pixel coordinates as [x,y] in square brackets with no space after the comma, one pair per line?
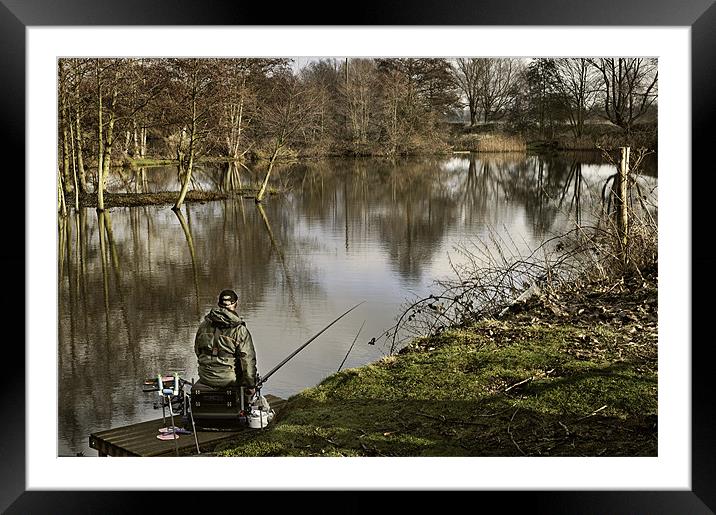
[531,147]
[465,139]
[571,373]
[166,197]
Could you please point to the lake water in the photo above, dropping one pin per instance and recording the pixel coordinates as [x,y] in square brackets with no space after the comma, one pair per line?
[345,231]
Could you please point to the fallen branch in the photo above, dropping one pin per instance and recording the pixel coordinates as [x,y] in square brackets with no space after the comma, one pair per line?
[518,384]
[592,413]
[565,427]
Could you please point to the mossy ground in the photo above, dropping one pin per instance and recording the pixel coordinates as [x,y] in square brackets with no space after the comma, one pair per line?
[574,377]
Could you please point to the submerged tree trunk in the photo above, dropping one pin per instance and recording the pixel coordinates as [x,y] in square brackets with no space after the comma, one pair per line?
[61,194]
[262,190]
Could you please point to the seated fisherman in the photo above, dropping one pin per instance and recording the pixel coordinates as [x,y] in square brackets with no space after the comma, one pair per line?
[224,347]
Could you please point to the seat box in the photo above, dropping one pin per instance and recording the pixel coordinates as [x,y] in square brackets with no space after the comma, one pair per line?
[216,403]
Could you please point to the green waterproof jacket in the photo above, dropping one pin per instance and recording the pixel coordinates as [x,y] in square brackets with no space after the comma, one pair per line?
[225,350]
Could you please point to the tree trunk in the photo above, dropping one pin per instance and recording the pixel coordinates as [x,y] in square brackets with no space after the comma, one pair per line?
[621,192]
[100,143]
[190,166]
[143,142]
[61,194]
[66,160]
[187,180]
[109,134]
[63,126]
[78,137]
[135,138]
[109,141]
[127,140]
[262,191]
[74,168]
[65,146]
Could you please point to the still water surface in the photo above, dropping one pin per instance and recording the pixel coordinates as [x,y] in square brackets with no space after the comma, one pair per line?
[132,296]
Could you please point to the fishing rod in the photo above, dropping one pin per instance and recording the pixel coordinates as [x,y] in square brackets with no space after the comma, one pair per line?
[265,378]
[351,347]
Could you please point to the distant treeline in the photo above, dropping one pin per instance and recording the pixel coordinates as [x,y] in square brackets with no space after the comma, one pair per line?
[119,110]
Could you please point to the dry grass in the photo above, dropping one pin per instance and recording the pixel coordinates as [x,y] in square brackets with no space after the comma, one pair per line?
[491,142]
[494,272]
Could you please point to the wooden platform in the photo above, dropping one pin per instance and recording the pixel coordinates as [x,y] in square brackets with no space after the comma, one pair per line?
[141,439]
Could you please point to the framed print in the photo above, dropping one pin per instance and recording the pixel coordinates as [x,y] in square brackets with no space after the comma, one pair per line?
[35,36]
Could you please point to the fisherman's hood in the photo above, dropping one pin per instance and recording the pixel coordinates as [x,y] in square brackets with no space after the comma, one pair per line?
[223,318]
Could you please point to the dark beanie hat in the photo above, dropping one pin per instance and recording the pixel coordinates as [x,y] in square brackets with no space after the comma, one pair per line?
[227,297]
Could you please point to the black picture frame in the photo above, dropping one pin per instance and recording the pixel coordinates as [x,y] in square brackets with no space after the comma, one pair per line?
[699,15]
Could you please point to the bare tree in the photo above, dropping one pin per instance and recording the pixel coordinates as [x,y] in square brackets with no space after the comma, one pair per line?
[64,126]
[628,89]
[360,95]
[397,109]
[238,84]
[289,108]
[496,82]
[78,70]
[192,102]
[466,72]
[108,76]
[488,84]
[543,99]
[416,95]
[323,77]
[146,81]
[577,81]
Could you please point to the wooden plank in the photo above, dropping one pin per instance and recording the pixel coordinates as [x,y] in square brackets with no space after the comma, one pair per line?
[141,439]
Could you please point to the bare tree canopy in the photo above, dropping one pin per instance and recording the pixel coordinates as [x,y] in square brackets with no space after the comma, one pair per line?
[628,89]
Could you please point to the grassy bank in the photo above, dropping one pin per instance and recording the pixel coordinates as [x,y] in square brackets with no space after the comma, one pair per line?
[501,137]
[565,375]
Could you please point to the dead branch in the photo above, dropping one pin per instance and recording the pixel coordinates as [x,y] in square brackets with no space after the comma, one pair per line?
[518,384]
[591,414]
[509,431]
